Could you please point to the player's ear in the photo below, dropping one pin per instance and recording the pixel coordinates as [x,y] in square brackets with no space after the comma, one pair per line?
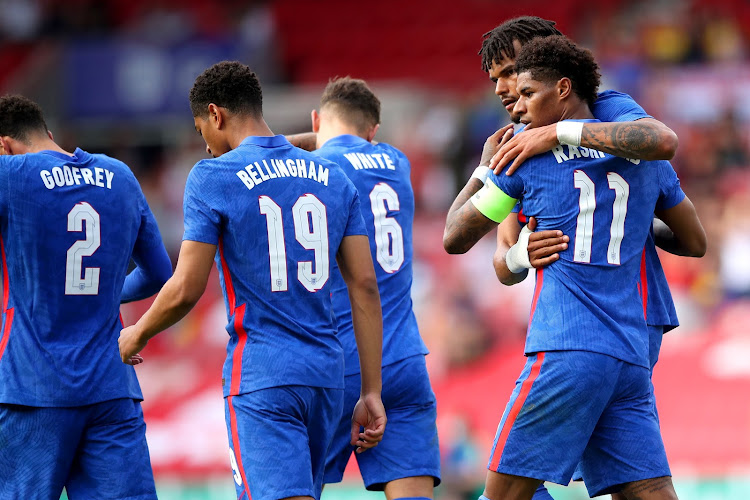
[372,132]
[564,87]
[49,134]
[5,147]
[315,116]
[215,116]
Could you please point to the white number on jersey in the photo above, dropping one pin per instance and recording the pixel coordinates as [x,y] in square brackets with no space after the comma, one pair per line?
[311,231]
[585,220]
[82,213]
[389,238]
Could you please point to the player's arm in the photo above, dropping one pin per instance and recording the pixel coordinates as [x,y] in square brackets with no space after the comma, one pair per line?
[519,250]
[175,300]
[475,212]
[305,140]
[355,263]
[644,139]
[684,234]
[154,267]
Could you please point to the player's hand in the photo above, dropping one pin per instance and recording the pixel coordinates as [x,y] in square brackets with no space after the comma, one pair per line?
[493,143]
[368,422]
[130,344]
[544,246]
[521,147]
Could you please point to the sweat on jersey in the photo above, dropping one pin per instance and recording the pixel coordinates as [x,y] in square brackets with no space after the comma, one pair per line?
[381,174]
[278,215]
[69,226]
[590,299]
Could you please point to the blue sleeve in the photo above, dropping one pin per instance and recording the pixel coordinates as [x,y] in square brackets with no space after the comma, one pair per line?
[356,223]
[613,106]
[510,185]
[153,265]
[202,222]
[670,192]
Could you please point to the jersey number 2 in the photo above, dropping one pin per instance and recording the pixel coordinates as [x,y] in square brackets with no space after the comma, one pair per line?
[310,230]
[585,221]
[88,284]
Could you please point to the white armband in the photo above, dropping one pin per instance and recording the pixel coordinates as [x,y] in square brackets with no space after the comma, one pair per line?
[481,173]
[517,258]
[569,133]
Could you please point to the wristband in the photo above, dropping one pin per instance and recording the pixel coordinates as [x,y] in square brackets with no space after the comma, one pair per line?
[569,133]
[517,258]
[481,173]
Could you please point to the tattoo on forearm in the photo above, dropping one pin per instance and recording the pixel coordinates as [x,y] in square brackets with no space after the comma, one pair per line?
[465,226]
[622,139]
[641,489]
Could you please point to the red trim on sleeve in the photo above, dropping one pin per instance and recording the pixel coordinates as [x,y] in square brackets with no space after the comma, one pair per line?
[8,313]
[497,452]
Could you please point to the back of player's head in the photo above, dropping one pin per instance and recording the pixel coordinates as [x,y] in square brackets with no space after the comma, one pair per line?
[352,101]
[20,117]
[227,84]
[498,43]
[551,58]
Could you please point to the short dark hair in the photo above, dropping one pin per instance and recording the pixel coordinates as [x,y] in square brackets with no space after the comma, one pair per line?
[498,43]
[554,57]
[20,116]
[227,84]
[353,101]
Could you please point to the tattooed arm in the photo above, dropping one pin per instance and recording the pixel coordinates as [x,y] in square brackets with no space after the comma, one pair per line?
[465,225]
[644,139]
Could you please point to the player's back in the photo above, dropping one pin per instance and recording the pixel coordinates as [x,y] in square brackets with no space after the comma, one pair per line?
[68,225]
[280,214]
[590,299]
[381,174]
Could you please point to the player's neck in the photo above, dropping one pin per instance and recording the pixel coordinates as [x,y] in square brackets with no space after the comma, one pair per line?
[577,110]
[247,128]
[336,129]
[46,144]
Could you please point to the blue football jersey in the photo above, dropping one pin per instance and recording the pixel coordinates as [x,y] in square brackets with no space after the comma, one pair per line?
[381,174]
[590,299]
[612,106]
[278,215]
[69,226]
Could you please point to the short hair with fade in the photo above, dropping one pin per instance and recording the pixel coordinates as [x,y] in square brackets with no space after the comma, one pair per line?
[353,101]
[554,57]
[498,43]
[227,84]
[20,117]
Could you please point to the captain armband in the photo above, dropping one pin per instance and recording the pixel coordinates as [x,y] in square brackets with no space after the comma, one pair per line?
[492,202]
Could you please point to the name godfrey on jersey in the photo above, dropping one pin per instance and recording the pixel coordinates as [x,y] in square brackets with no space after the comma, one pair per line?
[259,172]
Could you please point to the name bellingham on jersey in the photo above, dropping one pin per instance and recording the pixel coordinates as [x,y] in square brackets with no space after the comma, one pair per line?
[258,172]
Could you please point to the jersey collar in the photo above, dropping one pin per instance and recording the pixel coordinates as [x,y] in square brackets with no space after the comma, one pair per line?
[265,141]
[345,140]
[79,155]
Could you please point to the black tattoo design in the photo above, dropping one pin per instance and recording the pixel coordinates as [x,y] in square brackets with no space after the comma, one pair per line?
[626,140]
[641,490]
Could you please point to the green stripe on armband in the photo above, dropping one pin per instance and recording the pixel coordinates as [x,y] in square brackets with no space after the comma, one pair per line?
[492,202]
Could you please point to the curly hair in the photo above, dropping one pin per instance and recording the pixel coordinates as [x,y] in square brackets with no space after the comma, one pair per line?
[498,43]
[227,84]
[554,57]
[353,101]
[20,116]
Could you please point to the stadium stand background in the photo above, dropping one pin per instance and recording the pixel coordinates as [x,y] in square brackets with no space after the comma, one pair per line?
[113,77]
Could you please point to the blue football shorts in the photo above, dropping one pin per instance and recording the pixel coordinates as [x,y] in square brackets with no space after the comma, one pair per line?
[94,451]
[278,439]
[410,445]
[571,406]
[655,335]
